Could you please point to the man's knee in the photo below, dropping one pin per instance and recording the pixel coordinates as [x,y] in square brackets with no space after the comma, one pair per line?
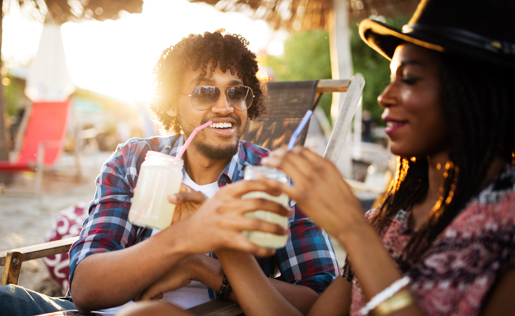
[16,300]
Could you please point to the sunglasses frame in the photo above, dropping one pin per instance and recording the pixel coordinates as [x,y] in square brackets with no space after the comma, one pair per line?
[226,96]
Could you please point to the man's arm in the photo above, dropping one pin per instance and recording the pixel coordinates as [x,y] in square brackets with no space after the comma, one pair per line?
[210,272]
[307,269]
[112,278]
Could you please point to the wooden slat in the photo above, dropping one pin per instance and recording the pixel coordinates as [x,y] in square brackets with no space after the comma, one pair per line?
[342,125]
[12,268]
[217,307]
[41,250]
[330,85]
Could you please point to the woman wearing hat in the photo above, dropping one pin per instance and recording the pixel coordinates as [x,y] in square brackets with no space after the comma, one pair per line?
[443,240]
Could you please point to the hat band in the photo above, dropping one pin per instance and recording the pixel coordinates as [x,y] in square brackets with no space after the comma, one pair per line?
[461,36]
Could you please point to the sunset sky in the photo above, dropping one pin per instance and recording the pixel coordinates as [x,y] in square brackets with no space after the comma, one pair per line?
[116,57]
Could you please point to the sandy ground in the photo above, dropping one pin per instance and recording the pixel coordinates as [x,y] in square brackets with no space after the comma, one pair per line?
[25,219]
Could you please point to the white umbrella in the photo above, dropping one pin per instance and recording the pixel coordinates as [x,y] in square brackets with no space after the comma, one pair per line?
[48,79]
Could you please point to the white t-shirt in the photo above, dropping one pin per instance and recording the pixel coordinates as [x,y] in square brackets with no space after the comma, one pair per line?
[194,293]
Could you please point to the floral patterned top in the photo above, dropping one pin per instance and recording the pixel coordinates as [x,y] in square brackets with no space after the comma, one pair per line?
[463,264]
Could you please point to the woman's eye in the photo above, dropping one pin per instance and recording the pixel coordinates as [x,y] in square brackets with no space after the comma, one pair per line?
[410,80]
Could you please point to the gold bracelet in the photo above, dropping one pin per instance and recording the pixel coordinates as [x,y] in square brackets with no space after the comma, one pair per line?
[398,301]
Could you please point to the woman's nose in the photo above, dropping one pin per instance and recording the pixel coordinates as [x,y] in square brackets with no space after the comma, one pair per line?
[388,97]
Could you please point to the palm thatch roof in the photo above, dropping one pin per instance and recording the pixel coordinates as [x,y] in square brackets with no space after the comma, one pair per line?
[61,11]
[310,14]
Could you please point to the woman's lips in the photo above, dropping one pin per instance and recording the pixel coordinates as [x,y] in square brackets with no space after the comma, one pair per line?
[393,125]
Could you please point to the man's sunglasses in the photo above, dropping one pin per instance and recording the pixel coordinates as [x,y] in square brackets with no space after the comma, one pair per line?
[204,97]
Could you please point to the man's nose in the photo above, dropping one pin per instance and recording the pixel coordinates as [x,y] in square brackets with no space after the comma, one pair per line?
[222,105]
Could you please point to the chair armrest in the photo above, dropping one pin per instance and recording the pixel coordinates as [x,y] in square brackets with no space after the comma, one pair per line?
[40,250]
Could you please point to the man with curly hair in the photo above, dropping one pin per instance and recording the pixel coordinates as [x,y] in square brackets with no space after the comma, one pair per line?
[198,80]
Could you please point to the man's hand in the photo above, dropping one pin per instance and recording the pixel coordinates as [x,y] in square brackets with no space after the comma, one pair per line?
[220,221]
[187,201]
[178,276]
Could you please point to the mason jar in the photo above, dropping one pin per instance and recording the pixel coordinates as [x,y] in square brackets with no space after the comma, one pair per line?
[160,175]
[259,238]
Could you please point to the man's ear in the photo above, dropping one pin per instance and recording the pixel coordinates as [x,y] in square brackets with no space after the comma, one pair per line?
[172,111]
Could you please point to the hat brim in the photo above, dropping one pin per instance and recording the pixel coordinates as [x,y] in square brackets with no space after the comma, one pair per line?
[384,39]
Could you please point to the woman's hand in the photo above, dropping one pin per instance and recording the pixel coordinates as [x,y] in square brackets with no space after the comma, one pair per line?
[219,221]
[187,201]
[318,188]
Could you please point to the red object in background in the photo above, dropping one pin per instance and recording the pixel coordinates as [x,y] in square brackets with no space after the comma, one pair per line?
[47,125]
[68,223]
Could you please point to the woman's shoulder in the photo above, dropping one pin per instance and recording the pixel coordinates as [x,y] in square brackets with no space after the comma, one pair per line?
[496,202]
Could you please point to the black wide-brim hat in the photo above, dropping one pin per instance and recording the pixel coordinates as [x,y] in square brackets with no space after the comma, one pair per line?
[481,30]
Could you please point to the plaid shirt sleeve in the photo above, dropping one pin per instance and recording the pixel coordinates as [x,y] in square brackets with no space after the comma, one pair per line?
[107,227]
[308,257]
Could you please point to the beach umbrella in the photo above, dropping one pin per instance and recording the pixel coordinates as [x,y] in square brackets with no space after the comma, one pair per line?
[305,15]
[59,12]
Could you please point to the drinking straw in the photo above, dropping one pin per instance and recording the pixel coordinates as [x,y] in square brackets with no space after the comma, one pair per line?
[299,128]
[187,143]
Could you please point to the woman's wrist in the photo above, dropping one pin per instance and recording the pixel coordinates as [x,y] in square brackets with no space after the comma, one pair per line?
[354,232]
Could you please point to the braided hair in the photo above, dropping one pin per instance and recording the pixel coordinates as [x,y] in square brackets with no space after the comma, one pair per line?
[478,103]
[206,52]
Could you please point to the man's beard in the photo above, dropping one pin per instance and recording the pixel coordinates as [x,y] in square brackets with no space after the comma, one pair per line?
[217,152]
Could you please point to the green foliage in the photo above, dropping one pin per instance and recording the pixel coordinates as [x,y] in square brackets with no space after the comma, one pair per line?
[307,57]
[14,94]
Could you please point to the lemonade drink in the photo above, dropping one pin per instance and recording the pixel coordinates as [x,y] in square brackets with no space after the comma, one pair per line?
[259,238]
[160,175]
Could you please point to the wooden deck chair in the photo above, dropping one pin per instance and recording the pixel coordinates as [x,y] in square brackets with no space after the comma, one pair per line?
[42,140]
[287,104]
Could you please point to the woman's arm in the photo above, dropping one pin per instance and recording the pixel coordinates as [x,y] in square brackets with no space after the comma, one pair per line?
[252,288]
[322,193]
[501,301]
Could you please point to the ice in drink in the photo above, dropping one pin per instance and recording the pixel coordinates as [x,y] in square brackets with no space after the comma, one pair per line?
[160,175]
[259,238]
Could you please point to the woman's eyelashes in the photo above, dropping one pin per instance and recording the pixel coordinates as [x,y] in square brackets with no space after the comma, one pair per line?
[410,80]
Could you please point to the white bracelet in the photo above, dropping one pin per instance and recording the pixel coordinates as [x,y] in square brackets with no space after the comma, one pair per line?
[384,295]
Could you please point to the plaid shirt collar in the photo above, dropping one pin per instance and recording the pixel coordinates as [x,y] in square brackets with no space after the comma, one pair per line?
[233,172]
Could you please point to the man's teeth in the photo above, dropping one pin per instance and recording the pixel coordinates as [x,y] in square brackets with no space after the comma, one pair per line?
[221,125]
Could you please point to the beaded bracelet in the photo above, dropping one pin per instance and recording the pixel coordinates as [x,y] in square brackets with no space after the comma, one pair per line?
[384,295]
[225,289]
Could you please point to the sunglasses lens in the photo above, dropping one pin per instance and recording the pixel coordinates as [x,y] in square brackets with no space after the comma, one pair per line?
[240,97]
[203,97]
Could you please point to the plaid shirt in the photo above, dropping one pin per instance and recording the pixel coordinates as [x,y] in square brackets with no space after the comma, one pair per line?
[308,258]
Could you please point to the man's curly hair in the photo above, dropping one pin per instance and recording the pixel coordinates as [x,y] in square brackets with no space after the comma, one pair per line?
[207,52]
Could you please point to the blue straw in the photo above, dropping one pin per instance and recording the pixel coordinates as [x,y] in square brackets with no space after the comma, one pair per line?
[299,129]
